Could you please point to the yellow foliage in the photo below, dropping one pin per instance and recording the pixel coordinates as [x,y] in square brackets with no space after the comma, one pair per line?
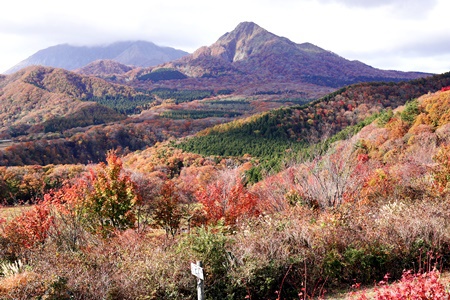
[397,128]
[390,156]
[422,121]
[438,108]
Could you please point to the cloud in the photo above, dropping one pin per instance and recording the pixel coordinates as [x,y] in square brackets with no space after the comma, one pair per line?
[429,64]
[361,28]
[431,46]
[377,3]
[427,52]
[405,8]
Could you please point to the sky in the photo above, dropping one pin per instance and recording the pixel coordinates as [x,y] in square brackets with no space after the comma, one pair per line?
[406,35]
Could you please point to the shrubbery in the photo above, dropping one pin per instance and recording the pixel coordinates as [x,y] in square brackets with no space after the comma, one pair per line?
[281,255]
[411,286]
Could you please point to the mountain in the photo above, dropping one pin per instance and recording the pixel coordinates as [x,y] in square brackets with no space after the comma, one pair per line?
[43,99]
[54,116]
[251,51]
[311,211]
[103,67]
[136,53]
[246,71]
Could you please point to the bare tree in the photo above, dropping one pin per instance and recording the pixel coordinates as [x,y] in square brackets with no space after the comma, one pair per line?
[327,179]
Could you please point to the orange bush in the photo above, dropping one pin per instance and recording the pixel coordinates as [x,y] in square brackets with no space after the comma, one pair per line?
[110,200]
[31,227]
[441,172]
[397,128]
[380,184]
[229,201]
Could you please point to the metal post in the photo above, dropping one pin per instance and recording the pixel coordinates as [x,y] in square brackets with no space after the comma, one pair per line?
[200,284]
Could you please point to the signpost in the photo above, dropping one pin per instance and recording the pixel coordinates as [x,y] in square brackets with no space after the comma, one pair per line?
[197,270]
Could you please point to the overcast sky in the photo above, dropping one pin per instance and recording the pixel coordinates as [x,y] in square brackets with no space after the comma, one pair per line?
[407,35]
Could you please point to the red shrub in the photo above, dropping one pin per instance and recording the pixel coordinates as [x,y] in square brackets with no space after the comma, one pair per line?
[415,286]
[227,199]
[31,227]
[412,286]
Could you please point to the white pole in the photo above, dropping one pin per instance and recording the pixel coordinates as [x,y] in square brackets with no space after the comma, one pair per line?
[200,285]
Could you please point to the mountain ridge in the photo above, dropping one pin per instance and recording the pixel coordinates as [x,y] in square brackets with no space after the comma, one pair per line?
[40,99]
[137,53]
[278,130]
[248,60]
[103,67]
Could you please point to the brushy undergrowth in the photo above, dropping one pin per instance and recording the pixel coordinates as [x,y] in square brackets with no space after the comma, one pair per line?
[289,255]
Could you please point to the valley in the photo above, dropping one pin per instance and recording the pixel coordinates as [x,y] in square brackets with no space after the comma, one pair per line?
[289,171]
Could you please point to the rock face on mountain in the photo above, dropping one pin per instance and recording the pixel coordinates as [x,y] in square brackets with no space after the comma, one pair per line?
[250,49]
[135,53]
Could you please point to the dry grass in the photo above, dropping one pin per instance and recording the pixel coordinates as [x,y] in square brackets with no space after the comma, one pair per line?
[10,212]
[16,282]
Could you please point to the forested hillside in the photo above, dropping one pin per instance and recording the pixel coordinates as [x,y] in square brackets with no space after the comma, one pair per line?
[274,132]
[89,144]
[38,99]
[53,116]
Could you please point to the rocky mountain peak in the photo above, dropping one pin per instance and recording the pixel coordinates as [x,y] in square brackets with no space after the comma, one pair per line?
[239,44]
[244,31]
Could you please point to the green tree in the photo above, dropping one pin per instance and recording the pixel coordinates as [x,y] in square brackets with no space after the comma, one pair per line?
[410,112]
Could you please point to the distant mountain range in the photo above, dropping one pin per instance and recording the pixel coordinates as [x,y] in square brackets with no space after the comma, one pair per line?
[134,53]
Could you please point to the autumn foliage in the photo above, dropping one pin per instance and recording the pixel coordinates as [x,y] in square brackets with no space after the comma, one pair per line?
[31,227]
[346,211]
[104,200]
[112,196]
[416,286]
[413,286]
[167,212]
[228,200]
